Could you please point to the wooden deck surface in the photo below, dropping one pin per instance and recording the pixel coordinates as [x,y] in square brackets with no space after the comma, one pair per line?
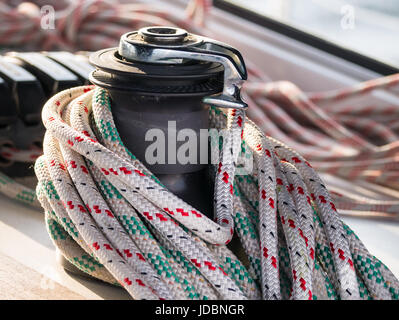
[20,282]
[28,266]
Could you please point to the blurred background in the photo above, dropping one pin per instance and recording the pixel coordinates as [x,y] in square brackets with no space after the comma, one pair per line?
[366,26]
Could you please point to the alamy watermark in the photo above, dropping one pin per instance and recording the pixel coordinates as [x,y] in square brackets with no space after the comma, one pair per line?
[46,281]
[348,20]
[47,20]
[186,146]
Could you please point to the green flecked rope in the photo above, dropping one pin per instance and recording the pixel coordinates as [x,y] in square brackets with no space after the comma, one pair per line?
[183,275]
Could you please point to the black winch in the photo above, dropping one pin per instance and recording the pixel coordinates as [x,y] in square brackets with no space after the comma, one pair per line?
[161,76]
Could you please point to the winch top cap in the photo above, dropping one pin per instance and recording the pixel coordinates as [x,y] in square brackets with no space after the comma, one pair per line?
[163,34]
[170,45]
[142,45]
[156,36]
[173,47]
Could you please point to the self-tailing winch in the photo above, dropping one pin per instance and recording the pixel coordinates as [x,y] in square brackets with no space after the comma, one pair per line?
[164,78]
[120,216]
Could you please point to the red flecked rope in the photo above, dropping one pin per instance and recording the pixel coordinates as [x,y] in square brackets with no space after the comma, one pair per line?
[352,144]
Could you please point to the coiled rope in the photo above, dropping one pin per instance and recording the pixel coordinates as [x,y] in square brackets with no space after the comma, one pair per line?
[348,140]
[113,219]
[312,250]
[10,187]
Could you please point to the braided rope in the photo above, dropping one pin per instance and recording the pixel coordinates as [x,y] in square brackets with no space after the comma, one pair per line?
[349,141]
[352,142]
[300,257]
[112,218]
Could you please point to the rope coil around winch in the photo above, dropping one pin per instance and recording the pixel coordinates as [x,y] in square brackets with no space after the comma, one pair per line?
[112,218]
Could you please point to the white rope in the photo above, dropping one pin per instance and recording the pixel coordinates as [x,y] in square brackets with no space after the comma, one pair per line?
[159,247]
